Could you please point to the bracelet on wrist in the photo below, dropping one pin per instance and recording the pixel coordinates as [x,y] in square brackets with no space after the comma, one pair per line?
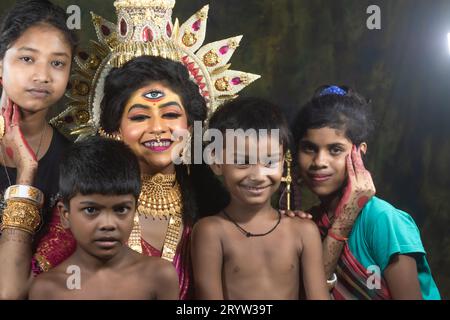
[332,282]
[25,192]
[21,215]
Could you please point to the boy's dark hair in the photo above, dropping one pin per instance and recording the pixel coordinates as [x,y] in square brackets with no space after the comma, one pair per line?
[28,13]
[346,110]
[99,166]
[122,82]
[251,113]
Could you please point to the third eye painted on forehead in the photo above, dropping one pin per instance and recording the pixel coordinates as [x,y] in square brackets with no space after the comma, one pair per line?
[154,95]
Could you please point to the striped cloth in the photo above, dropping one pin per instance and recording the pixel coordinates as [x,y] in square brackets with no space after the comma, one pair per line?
[352,276]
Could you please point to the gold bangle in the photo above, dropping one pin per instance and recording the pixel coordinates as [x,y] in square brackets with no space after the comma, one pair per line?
[25,192]
[21,215]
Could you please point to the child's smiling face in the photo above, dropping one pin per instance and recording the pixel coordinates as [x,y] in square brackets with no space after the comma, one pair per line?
[36,68]
[322,159]
[253,181]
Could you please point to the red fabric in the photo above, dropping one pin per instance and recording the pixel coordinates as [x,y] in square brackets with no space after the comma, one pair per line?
[352,276]
[181,261]
[54,247]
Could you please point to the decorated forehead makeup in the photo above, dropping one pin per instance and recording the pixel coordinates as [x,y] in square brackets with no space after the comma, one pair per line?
[145,27]
[154,95]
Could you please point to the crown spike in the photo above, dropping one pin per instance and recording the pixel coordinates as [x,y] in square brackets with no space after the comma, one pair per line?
[176,29]
[193,32]
[104,30]
[230,82]
[216,54]
[143,4]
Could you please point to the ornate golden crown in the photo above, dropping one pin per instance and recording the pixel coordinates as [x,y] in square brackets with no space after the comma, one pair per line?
[144,27]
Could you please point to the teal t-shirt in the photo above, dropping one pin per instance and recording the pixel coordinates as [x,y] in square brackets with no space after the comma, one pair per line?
[382,231]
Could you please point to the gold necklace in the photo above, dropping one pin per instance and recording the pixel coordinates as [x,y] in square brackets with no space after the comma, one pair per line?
[134,241]
[160,196]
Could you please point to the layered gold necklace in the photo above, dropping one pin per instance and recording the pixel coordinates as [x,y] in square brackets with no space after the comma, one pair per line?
[160,198]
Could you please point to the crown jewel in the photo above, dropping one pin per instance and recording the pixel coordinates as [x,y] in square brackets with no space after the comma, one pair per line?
[144,27]
[163,4]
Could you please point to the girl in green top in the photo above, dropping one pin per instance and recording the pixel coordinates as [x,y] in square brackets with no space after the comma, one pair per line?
[382,254]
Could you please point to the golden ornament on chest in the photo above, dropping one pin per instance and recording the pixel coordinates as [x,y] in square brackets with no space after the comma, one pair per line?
[160,196]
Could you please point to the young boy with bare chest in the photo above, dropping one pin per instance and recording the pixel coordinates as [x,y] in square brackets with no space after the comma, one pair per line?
[249,250]
[99,186]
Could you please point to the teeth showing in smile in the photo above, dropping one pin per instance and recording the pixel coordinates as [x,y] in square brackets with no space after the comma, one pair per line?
[154,144]
[255,188]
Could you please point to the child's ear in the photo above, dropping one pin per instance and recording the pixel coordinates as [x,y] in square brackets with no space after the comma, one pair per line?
[216,168]
[363,147]
[63,214]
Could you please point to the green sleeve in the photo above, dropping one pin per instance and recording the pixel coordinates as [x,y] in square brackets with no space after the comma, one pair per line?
[393,232]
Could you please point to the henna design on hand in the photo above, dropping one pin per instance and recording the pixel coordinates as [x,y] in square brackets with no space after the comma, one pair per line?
[358,191]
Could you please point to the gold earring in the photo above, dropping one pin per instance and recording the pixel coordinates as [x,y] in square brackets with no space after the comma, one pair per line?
[113,136]
[185,154]
[288,179]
